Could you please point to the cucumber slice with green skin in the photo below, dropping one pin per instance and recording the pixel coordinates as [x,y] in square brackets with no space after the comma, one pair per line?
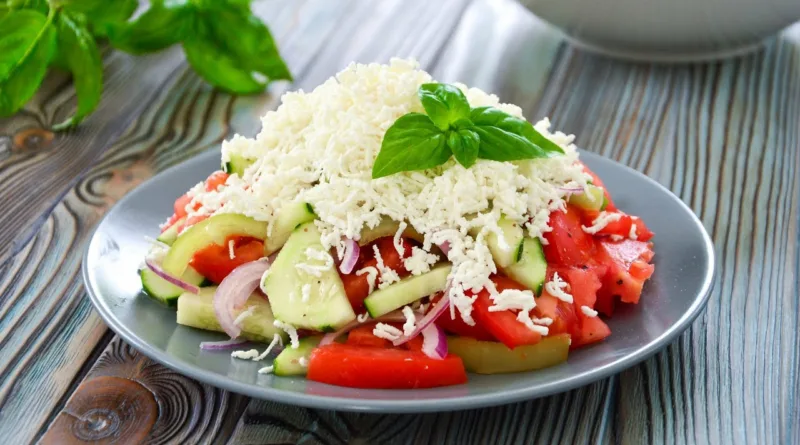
[288,361]
[171,234]
[213,230]
[327,307]
[407,291]
[289,218]
[605,203]
[197,311]
[531,270]
[506,249]
[489,357]
[236,165]
[164,291]
[387,227]
[592,198]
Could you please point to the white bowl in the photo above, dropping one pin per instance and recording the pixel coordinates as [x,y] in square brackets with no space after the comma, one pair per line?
[668,30]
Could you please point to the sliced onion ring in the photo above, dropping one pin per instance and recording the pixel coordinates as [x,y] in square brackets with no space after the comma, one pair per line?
[233,292]
[350,258]
[156,268]
[429,318]
[434,342]
[391,316]
[444,247]
[572,190]
[222,345]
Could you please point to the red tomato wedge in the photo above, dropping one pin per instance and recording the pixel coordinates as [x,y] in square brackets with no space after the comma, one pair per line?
[642,232]
[215,263]
[621,226]
[458,326]
[593,329]
[357,286]
[628,269]
[363,336]
[567,244]
[366,367]
[565,320]
[503,325]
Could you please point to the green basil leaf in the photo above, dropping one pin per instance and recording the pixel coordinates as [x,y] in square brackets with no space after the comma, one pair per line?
[80,54]
[162,25]
[108,15]
[247,40]
[413,142]
[445,104]
[508,138]
[465,145]
[26,46]
[214,63]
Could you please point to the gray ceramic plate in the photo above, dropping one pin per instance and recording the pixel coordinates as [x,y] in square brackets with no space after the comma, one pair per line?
[671,300]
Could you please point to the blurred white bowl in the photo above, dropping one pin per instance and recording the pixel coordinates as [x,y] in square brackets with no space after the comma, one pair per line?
[668,30]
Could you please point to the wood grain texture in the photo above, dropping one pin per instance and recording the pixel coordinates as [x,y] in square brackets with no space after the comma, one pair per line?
[724,136]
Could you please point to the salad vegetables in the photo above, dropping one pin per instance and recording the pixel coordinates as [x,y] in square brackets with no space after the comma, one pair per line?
[387,231]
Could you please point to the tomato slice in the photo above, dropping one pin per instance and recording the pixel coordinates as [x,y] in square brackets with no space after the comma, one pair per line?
[357,286]
[593,329]
[458,326]
[214,261]
[366,367]
[363,336]
[565,320]
[628,269]
[567,244]
[642,232]
[215,180]
[503,325]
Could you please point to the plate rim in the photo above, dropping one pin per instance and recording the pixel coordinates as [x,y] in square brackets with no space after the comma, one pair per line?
[353,404]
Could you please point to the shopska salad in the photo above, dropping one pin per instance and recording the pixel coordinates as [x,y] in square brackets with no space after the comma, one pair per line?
[395,233]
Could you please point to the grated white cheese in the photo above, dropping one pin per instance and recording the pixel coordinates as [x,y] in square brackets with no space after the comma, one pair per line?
[266,369]
[632,234]
[319,147]
[387,275]
[589,312]
[557,288]
[615,237]
[289,329]
[231,253]
[316,256]
[420,261]
[411,321]
[386,331]
[397,240]
[306,291]
[362,318]
[245,355]
[602,220]
[372,275]
[276,339]
[546,321]
[244,314]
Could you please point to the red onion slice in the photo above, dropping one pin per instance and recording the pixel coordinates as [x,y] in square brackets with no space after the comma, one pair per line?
[233,292]
[156,268]
[350,258]
[444,247]
[434,342]
[329,338]
[429,318]
[572,190]
[222,345]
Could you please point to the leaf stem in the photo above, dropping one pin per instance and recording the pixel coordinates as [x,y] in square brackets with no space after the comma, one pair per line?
[51,15]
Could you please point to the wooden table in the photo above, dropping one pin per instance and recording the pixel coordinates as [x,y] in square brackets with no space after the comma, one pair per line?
[723,136]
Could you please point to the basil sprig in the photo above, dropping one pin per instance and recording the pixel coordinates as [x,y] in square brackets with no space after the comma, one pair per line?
[451,127]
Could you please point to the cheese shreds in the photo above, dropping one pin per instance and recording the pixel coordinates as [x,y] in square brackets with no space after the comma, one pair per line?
[266,369]
[362,318]
[275,340]
[387,274]
[386,331]
[602,220]
[411,321]
[323,260]
[372,276]
[245,355]
[231,253]
[397,240]
[302,361]
[306,291]
[632,234]
[615,237]
[290,330]
[589,312]
[319,147]
[244,314]
[557,288]
[420,261]
[546,321]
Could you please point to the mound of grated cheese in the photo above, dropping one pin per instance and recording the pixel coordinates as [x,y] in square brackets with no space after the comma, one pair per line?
[319,147]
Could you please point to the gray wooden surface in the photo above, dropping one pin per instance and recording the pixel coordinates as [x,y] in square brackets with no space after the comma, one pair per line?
[724,136]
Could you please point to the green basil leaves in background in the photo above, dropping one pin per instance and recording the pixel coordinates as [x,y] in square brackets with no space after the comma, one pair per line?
[224,43]
[451,128]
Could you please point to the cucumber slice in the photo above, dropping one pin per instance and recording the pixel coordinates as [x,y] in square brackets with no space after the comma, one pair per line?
[407,291]
[288,361]
[489,357]
[592,198]
[605,203]
[327,307]
[531,269]
[164,291]
[213,230]
[507,248]
[387,227]
[288,219]
[197,311]
[236,165]
[171,234]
